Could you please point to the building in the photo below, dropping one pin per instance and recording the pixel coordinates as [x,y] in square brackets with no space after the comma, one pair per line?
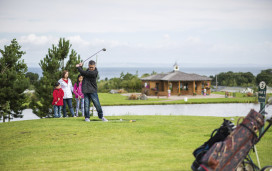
[179,83]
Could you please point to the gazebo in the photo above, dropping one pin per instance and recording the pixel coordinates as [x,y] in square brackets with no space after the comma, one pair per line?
[179,83]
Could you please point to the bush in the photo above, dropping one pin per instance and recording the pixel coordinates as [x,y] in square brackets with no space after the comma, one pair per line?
[133,97]
[249,94]
[122,91]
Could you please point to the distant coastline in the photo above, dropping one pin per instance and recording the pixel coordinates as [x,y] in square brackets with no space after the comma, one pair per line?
[111,72]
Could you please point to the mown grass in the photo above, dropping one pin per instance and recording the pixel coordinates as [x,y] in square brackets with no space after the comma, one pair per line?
[150,143]
[107,99]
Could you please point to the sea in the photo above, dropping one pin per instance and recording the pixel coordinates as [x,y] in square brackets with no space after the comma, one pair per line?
[111,72]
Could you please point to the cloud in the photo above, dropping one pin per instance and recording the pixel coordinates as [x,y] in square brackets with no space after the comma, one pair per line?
[268,45]
[108,43]
[193,40]
[4,42]
[77,40]
[150,48]
[166,36]
[132,16]
[37,40]
[225,48]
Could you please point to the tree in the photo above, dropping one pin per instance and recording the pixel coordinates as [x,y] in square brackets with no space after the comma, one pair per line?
[33,77]
[5,111]
[235,79]
[13,81]
[266,76]
[153,73]
[145,75]
[52,66]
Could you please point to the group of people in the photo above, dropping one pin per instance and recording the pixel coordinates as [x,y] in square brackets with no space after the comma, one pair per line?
[85,90]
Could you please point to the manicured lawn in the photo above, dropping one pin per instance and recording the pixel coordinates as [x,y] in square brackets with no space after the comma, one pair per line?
[150,143]
[214,100]
[107,99]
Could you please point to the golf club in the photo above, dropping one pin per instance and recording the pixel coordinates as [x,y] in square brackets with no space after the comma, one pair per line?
[104,49]
[269,102]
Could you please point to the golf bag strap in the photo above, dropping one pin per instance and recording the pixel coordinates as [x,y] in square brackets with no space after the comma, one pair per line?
[239,120]
[254,134]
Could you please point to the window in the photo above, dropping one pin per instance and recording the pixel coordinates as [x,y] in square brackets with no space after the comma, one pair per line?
[157,86]
[170,86]
[185,86]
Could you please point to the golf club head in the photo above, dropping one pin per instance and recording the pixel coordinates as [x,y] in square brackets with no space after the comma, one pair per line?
[104,49]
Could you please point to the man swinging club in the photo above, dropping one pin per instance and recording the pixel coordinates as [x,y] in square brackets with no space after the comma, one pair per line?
[89,89]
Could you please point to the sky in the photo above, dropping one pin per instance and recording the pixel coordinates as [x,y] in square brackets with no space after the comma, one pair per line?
[144,33]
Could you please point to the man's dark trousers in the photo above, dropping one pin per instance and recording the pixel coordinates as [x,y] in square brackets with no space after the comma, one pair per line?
[88,97]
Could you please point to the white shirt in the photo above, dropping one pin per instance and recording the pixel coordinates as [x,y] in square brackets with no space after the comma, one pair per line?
[67,88]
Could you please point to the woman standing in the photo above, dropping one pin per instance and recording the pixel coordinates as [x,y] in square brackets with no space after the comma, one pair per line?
[67,87]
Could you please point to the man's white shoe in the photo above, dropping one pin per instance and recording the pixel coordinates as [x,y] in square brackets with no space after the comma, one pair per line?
[87,119]
[104,119]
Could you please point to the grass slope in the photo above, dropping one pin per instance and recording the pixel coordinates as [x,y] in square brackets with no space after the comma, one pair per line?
[150,143]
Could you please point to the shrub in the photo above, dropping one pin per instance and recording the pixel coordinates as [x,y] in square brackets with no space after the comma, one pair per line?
[249,94]
[133,97]
[122,91]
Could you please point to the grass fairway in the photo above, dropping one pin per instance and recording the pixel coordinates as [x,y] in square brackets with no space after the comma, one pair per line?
[150,143]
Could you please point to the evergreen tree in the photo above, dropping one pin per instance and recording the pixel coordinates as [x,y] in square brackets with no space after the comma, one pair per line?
[33,77]
[235,79]
[266,76]
[5,111]
[52,66]
[13,82]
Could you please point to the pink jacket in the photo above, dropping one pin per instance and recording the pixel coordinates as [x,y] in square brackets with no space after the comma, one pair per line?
[78,90]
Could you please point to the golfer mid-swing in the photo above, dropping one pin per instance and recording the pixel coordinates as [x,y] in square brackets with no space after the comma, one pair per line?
[89,89]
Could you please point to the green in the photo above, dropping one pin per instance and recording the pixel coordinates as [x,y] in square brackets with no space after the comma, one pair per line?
[150,143]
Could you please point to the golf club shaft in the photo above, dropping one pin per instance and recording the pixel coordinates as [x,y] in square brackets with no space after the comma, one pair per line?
[93,55]
[263,109]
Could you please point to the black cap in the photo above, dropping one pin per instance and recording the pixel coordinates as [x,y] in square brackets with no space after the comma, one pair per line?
[57,84]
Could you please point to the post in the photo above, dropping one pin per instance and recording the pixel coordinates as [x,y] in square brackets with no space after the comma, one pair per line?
[179,87]
[216,81]
[193,87]
[261,99]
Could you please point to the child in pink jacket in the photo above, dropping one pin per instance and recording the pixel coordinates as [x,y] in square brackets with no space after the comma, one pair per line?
[79,95]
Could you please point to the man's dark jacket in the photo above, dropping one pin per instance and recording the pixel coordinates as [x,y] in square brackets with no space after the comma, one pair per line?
[89,80]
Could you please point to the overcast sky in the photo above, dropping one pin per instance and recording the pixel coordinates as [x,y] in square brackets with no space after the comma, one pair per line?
[206,33]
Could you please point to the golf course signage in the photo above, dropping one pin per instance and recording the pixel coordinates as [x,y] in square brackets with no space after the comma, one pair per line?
[262,92]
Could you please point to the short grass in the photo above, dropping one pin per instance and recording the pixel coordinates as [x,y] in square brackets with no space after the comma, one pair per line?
[150,143]
[107,99]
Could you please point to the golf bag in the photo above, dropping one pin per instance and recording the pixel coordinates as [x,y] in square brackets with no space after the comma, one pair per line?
[217,135]
[227,154]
